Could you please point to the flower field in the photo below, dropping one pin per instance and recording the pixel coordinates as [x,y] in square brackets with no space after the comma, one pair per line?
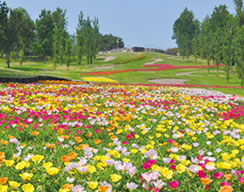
[90,137]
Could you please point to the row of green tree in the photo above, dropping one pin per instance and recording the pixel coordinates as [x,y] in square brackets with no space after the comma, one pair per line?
[48,37]
[219,38]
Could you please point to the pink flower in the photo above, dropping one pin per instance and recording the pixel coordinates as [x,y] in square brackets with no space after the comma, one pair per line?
[201,174]
[207,187]
[174,184]
[241,179]
[172,161]
[202,165]
[146,165]
[225,184]
[125,142]
[218,175]
[200,157]
[129,137]
[173,167]
[151,161]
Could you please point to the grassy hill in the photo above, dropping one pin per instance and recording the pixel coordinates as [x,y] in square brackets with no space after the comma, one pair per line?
[128,61]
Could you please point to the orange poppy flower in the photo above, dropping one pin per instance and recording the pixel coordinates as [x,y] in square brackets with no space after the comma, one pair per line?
[60,131]
[111,134]
[50,146]
[89,134]
[3,180]
[65,158]
[97,141]
[83,146]
[113,137]
[72,155]
[103,188]
[228,176]
[168,150]
[78,139]
[65,136]
[68,186]
[206,181]
[77,148]
[2,156]
[4,142]
[101,128]
[226,189]
[35,133]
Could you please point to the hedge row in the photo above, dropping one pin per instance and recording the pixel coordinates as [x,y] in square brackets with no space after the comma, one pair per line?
[29,79]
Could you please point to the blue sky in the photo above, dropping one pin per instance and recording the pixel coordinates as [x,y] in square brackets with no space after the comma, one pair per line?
[146,23]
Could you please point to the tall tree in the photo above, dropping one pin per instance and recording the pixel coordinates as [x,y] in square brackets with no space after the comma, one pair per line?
[60,34]
[10,25]
[80,38]
[68,49]
[4,10]
[25,32]
[220,24]
[239,56]
[96,37]
[239,10]
[184,31]
[44,34]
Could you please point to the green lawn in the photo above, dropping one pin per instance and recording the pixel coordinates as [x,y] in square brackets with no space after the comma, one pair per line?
[202,77]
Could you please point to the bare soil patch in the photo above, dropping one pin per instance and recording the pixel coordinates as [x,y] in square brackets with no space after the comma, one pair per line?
[155,61]
[190,73]
[105,67]
[168,81]
[107,58]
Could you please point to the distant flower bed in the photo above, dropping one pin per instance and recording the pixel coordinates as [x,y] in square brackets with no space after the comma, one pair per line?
[103,138]
[99,80]
[158,67]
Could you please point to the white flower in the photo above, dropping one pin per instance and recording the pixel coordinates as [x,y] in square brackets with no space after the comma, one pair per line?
[131,186]
[70,179]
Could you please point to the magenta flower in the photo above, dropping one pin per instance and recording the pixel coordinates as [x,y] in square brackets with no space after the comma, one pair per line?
[146,165]
[151,161]
[201,174]
[173,167]
[125,142]
[129,137]
[241,179]
[218,175]
[225,184]
[174,184]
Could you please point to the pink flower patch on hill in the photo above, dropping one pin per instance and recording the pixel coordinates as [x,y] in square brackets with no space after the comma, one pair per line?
[158,67]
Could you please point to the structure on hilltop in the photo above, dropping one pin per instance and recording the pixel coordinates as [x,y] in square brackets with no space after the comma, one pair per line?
[133,49]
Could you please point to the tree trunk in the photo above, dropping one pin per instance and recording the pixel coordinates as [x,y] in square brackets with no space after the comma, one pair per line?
[8,59]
